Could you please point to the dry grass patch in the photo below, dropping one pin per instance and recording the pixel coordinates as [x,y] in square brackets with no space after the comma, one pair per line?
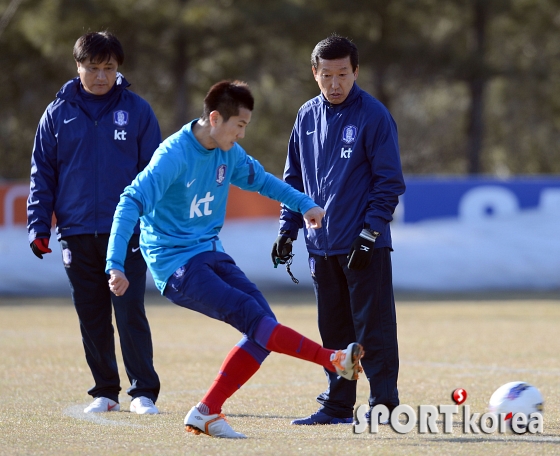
[476,345]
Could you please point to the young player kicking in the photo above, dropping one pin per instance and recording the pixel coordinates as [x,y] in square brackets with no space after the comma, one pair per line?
[181,199]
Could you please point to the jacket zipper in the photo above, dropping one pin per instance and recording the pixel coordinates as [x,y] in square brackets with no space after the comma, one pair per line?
[325,161]
[95,176]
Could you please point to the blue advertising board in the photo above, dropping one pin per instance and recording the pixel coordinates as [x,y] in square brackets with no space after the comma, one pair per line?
[435,197]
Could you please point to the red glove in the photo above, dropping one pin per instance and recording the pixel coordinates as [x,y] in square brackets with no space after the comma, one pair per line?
[40,246]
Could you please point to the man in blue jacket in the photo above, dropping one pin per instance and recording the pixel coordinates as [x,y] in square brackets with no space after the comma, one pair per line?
[343,153]
[91,143]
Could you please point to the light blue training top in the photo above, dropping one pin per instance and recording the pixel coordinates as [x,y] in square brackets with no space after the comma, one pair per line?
[181,199]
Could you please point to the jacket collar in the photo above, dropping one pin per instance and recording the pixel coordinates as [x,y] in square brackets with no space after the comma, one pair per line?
[352,96]
[70,90]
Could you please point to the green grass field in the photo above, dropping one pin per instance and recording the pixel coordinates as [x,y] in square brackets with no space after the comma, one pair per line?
[477,344]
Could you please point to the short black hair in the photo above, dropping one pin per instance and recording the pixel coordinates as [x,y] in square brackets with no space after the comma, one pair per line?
[335,47]
[227,97]
[98,47]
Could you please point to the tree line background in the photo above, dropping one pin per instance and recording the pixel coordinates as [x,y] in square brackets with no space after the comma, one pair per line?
[474,85]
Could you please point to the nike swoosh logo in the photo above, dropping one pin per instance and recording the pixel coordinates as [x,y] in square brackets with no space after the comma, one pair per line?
[70,120]
[135,249]
[190,183]
[111,407]
[310,132]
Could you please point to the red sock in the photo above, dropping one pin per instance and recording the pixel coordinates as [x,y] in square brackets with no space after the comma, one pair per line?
[286,340]
[237,368]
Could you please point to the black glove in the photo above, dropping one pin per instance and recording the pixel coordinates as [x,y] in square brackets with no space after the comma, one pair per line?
[40,246]
[281,250]
[361,251]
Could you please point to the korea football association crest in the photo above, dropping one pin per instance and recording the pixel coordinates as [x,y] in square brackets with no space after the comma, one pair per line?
[349,134]
[221,174]
[120,118]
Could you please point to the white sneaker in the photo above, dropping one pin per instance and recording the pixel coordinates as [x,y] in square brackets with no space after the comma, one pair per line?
[213,425]
[143,405]
[347,362]
[102,404]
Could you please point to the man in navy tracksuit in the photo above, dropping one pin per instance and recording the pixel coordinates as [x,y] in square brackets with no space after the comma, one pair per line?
[91,143]
[343,153]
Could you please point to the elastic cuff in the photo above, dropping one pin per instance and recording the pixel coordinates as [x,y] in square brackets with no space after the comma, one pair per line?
[264,331]
[366,234]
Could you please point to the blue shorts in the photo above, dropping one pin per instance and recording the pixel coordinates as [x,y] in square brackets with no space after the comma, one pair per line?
[212,284]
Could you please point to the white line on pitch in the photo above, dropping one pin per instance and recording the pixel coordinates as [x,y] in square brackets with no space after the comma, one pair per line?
[77,411]
[480,367]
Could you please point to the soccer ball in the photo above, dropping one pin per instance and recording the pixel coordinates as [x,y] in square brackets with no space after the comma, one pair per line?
[516,397]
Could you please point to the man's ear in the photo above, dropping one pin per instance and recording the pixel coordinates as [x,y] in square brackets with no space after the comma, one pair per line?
[214,118]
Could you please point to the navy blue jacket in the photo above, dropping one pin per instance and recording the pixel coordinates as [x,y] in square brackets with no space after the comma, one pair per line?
[80,165]
[346,158]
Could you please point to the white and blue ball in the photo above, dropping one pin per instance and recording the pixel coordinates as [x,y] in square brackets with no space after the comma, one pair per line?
[516,397]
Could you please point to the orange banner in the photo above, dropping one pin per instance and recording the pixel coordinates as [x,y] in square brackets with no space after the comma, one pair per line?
[241,204]
[13,204]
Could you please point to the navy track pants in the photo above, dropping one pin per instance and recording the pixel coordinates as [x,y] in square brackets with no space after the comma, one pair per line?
[84,258]
[358,306]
